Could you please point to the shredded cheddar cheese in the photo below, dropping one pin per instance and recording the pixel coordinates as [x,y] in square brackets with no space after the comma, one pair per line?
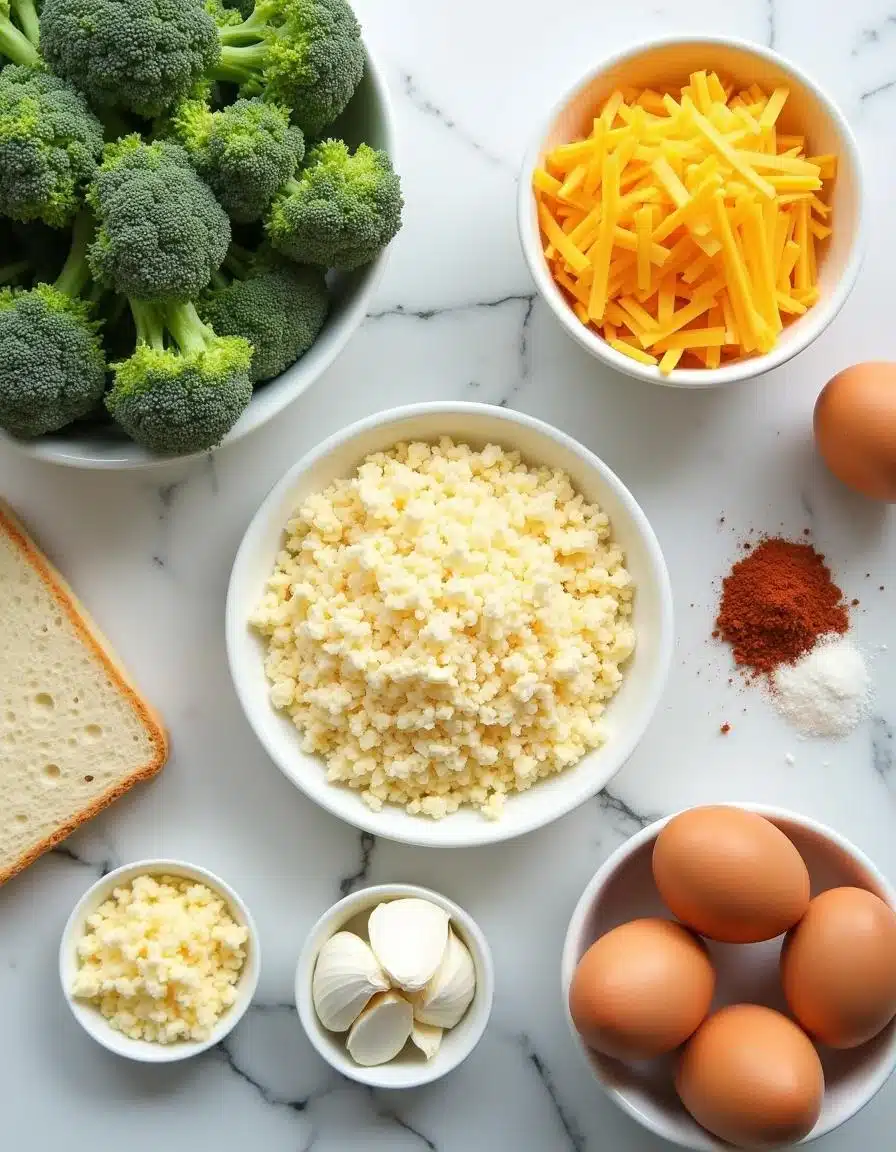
[685,228]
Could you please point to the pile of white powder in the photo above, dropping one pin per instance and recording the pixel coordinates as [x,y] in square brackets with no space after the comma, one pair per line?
[827,692]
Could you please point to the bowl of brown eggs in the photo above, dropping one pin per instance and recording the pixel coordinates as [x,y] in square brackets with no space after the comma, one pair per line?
[729,974]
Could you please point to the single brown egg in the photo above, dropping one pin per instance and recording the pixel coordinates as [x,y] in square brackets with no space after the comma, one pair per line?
[642,989]
[752,1077]
[730,874]
[838,967]
[855,428]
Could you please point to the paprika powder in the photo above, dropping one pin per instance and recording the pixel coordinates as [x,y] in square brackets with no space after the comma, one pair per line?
[776,603]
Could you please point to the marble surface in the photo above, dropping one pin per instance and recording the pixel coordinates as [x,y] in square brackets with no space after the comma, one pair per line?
[455,317]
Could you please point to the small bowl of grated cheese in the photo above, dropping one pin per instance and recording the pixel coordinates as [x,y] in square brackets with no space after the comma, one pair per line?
[692,211]
[159,961]
[449,624]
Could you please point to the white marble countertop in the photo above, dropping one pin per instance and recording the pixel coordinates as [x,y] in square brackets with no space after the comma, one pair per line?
[455,317]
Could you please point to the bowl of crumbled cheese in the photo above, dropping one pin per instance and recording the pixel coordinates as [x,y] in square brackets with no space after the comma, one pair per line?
[159,961]
[449,624]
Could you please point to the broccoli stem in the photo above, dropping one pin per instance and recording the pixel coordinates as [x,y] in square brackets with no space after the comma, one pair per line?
[290,188]
[238,261]
[10,273]
[74,275]
[149,324]
[14,45]
[180,321]
[95,293]
[189,333]
[254,27]
[240,63]
[28,18]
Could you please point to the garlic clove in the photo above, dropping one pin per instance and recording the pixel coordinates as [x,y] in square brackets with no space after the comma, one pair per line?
[346,976]
[445,999]
[409,938]
[381,1031]
[427,1038]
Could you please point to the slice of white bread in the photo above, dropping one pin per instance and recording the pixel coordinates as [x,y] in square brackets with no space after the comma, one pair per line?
[74,733]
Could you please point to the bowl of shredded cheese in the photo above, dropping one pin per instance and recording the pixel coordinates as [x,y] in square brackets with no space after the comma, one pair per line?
[159,961]
[449,624]
[692,211]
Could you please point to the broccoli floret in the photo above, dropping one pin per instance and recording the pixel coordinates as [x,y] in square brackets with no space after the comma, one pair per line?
[139,54]
[243,8]
[50,145]
[184,387]
[244,152]
[161,232]
[52,368]
[18,40]
[223,15]
[278,307]
[341,210]
[306,54]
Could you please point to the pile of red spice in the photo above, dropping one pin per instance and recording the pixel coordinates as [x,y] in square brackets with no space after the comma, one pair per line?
[776,603]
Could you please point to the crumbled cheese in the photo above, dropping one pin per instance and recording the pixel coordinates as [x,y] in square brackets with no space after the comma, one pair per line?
[446,626]
[161,959]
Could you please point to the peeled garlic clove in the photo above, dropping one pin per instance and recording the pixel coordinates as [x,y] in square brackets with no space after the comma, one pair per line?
[381,1031]
[426,1038]
[346,975]
[447,996]
[409,938]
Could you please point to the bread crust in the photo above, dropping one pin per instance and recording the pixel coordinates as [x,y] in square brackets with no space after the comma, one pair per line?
[96,642]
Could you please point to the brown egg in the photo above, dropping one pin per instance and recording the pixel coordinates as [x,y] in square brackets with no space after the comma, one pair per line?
[838,967]
[642,989]
[730,874]
[855,428]
[751,1077]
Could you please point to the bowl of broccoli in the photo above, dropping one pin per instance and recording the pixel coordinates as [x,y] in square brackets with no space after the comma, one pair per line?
[196,204]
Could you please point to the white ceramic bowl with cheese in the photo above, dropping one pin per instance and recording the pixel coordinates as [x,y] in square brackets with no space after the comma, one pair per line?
[623,889]
[809,111]
[409,1069]
[627,714]
[92,1020]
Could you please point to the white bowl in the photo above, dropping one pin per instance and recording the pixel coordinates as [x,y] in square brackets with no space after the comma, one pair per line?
[368,118]
[628,714]
[92,1020]
[623,889]
[409,1069]
[809,111]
